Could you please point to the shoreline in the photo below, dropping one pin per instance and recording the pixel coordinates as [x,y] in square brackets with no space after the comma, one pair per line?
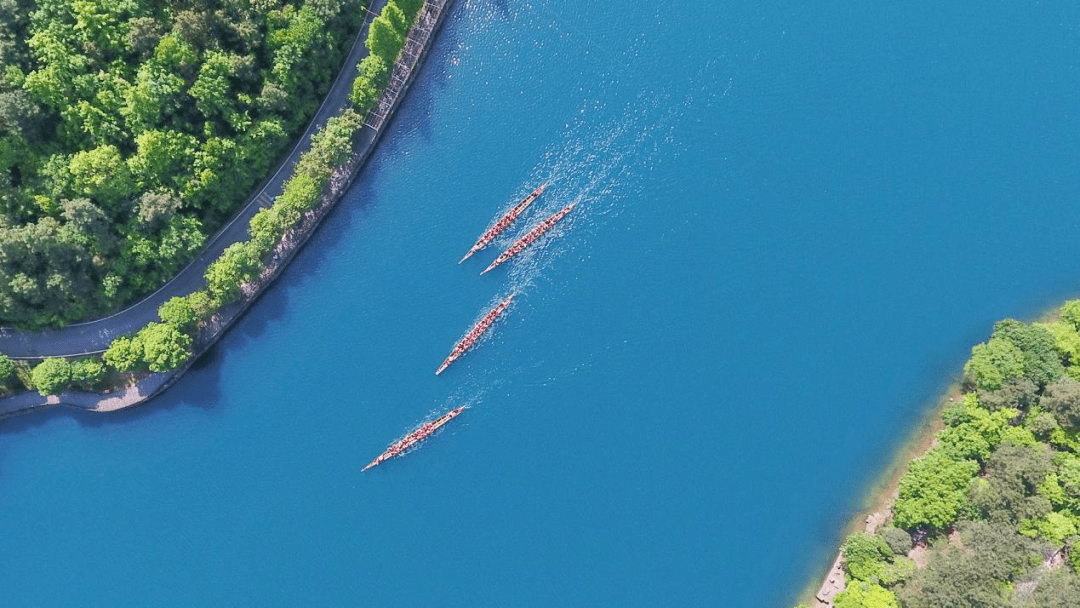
[364,144]
[876,506]
[95,335]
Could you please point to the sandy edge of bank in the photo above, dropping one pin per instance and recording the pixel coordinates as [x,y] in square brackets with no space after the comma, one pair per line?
[877,506]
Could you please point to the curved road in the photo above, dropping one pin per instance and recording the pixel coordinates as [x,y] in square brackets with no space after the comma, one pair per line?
[95,336]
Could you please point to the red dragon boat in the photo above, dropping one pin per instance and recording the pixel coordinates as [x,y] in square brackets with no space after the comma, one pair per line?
[511,215]
[474,334]
[533,234]
[421,433]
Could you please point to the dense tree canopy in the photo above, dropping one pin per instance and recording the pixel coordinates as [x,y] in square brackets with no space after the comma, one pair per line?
[865,595]
[87,373]
[1042,361]
[185,312]
[1062,400]
[164,347]
[122,354]
[933,490]
[385,40]
[993,363]
[865,555]
[149,192]
[1015,393]
[51,376]
[131,129]
[1009,490]
[7,367]
[996,502]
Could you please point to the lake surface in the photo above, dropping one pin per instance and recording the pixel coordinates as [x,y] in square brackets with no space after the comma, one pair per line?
[794,221]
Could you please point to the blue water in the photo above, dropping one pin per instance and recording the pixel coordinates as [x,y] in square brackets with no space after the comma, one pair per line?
[795,219]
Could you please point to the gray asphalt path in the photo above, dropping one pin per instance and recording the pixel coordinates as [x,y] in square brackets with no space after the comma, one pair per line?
[95,336]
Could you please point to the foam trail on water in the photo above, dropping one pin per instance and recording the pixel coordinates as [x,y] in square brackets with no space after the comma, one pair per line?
[600,165]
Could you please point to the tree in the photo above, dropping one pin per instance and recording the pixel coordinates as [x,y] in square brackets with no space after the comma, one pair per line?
[237,265]
[51,376]
[1040,423]
[154,210]
[89,225]
[953,578]
[184,312]
[97,26]
[174,54]
[1070,313]
[333,144]
[7,367]
[147,261]
[212,88]
[266,228]
[122,354]
[371,78]
[1042,361]
[410,8]
[1054,527]
[865,555]
[181,239]
[974,431]
[933,490]
[162,159]
[301,55]
[1009,491]
[87,372]
[301,192]
[102,175]
[1062,485]
[1066,340]
[1023,467]
[865,595]
[396,17]
[53,82]
[102,101]
[993,558]
[273,98]
[45,274]
[21,116]
[1018,393]
[195,27]
[899,568]
[157,93]
[1057,588]
[143,35]
[992,363]
[261,143]
[218,177]
[898,540]
[164,346]
[999,550]
[1062,399]
[384,39]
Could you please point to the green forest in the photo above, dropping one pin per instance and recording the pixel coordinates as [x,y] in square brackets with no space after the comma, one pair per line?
[165,346]
[990,515]
[130,130]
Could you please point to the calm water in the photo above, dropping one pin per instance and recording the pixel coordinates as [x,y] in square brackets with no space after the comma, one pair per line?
[794,222]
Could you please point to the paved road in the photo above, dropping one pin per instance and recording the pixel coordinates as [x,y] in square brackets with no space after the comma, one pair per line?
[95,336]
